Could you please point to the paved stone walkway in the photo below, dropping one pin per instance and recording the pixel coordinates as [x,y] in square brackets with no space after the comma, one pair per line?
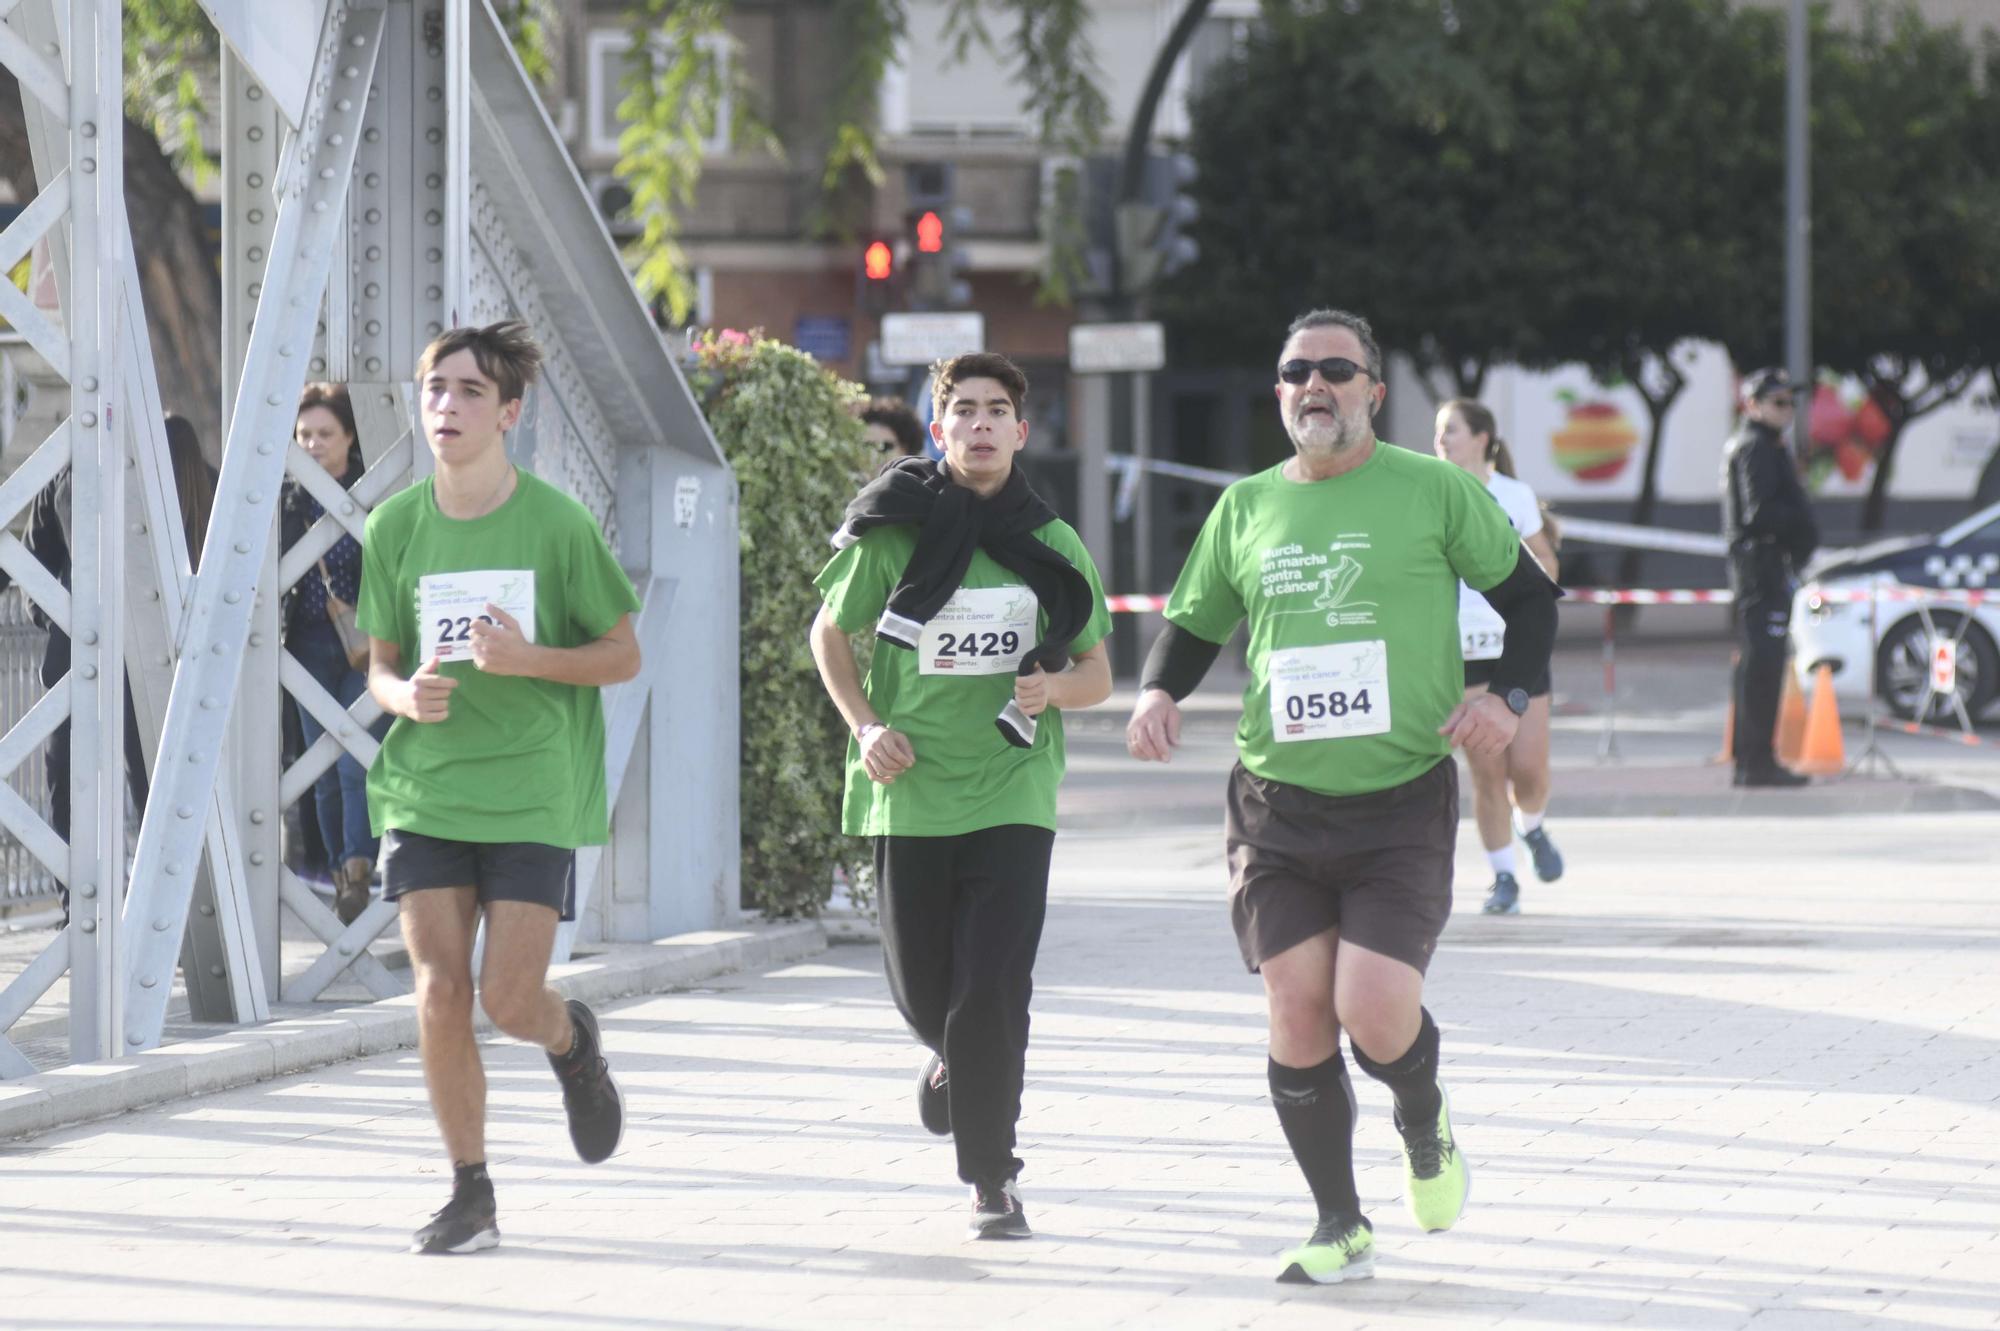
[1726,1074]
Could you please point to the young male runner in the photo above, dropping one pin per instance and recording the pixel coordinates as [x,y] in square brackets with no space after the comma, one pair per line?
[1342,815]
[990,622]
[503,588]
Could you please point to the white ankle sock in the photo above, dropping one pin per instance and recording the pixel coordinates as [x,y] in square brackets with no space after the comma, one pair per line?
[1527,822]
[1502,859]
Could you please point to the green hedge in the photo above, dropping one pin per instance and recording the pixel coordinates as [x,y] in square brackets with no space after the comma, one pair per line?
[788,427]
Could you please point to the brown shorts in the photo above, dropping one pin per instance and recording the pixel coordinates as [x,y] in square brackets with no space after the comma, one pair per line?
[1377,867]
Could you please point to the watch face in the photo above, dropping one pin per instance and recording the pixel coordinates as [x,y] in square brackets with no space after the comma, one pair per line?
[1517,701]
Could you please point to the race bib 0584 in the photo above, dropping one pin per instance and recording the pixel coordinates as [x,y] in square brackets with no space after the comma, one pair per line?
[1333,692]
[448,604]
[982,631]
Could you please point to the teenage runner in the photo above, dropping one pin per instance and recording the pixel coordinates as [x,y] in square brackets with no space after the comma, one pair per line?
[503,588]
[1515,782]
[990,622]
[1341,817]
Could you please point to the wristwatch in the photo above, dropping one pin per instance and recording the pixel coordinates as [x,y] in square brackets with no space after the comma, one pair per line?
[1517,701]
[861,731]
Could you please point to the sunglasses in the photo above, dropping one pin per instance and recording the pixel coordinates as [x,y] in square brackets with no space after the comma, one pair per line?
[1334,369]
[1780,402]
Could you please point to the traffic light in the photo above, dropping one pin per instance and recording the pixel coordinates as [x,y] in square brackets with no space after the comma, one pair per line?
[878,261]
[876,281]
[1153,232]
[933,225]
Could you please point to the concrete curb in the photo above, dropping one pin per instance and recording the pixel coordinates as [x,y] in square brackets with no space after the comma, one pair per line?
[304,1036]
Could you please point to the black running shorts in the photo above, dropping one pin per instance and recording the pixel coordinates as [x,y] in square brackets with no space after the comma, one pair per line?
[1377,867]
[500,870]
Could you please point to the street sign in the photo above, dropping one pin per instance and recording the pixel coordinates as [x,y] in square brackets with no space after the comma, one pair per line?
[1105,348]
[919,339]
[1944,667]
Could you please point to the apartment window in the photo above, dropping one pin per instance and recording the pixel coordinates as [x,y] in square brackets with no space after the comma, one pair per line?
[605,67]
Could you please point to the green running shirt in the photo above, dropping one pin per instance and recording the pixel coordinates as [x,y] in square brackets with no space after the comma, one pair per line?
[517,759]
[967,776]
[1351,589]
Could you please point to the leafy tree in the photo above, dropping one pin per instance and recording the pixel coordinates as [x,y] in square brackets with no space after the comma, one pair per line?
[1681,160]
[1343,155]
[785,424]
[1906,257]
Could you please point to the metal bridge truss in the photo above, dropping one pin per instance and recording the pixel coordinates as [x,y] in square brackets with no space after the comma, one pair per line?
[388,172]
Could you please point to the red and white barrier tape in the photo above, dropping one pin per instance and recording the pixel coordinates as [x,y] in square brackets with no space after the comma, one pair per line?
[1682,596]
[1895,592]
[1648,595]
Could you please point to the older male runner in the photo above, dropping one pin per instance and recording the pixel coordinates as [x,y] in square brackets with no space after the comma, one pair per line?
[1342,815]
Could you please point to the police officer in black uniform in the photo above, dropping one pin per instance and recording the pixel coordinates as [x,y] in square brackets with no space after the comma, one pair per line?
[1768,523]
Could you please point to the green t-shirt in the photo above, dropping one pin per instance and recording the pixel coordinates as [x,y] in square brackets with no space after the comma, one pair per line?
[1351,589]
[946,695]
[517,759]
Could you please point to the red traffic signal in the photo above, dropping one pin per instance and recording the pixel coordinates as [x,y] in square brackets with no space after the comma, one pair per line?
[878,261]
[930,234]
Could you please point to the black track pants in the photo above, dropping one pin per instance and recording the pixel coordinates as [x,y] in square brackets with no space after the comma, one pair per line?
[961,921]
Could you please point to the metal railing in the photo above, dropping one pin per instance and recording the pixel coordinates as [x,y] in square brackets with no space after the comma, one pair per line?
[23,878]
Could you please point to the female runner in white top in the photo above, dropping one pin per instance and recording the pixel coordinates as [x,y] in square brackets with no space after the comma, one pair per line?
[1515,782]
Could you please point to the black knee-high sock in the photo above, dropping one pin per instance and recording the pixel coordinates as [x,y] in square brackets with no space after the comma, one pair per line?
[1316,1108]
[1412,1078]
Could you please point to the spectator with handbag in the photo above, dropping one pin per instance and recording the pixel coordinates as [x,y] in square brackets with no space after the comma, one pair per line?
[319,631]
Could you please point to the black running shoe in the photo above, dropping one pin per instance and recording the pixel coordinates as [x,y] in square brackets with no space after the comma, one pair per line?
[1505,898]
[933,1097]
[1548,860]
[590,1097]
[997,1213]
[467,1224]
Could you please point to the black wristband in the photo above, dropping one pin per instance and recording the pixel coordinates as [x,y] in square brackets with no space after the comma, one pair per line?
[1526,600]
[1177,662]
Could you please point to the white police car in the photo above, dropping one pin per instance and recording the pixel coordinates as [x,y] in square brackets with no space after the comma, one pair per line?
[1897,651]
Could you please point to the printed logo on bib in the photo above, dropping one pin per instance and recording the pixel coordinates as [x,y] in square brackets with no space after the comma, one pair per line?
[1334,692]
[1481,631]
[983,631]
[448,604]
[1289,573]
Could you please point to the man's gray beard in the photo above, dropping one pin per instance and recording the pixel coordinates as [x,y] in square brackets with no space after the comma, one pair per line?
[1324,436]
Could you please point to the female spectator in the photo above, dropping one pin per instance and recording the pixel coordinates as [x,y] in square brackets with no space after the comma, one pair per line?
[49,541]
[1517,780]
[324,428]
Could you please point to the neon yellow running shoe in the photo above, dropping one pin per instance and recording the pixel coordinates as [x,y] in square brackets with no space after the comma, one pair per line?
[1435,1171]
[1342,1248]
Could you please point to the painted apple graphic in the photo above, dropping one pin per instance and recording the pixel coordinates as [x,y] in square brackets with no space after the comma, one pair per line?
[1844,435]
[1595,440]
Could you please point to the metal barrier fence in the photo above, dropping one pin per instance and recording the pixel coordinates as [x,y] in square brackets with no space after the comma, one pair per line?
[22,642]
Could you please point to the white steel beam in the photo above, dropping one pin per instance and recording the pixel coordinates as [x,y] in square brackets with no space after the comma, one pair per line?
[219,958]
[624,710]
[275,40]
[97,529]
[254,130]
[318,165]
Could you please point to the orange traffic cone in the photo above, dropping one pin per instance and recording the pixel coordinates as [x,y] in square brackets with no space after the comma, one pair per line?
[1823,754]
[1728,754]
[1791,737]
